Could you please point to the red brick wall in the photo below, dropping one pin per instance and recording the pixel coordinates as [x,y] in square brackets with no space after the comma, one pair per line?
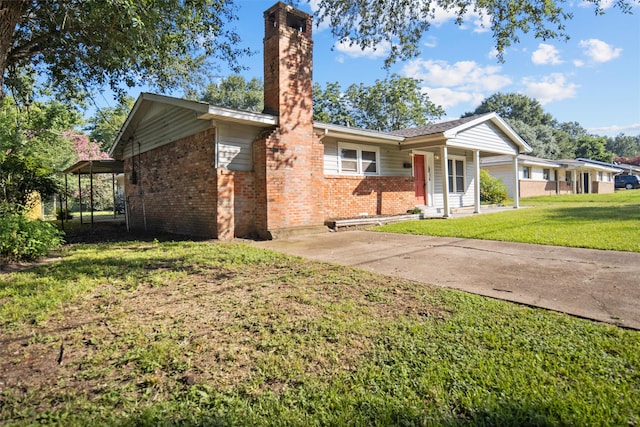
[185,194]
[177,183]
[347,197]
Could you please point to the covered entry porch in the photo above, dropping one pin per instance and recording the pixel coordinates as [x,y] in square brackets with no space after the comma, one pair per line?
[447,156]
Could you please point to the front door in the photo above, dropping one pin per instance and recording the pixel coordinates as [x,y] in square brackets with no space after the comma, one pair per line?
[419,178]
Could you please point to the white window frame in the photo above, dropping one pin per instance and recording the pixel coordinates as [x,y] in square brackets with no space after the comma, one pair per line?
[526,172]
[453,186]
[359,161]
[546,174]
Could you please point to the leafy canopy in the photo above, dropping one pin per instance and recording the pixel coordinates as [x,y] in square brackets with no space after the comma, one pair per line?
[387,105]
[401,23]
[236,92]
[77,46]
[33,148]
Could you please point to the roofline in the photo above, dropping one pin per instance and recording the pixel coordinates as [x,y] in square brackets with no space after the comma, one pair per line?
[356,133]
[201,107]
[260,119]
[204,111]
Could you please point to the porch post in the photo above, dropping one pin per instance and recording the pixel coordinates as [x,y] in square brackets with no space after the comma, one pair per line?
[574,178]
[516,183]
[444,158]
[476,161]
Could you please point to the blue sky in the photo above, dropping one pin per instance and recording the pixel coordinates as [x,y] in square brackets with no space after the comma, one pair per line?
[593,78]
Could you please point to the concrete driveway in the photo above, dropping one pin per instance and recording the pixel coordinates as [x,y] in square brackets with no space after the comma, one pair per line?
[594,284]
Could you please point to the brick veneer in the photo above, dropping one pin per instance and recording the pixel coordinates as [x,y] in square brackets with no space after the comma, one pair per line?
[347,196]
[179,191]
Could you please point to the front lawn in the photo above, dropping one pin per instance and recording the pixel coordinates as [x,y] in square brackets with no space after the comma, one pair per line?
[153,333]
[598,221]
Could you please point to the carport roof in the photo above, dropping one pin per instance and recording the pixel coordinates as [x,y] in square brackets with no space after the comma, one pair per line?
[86,167]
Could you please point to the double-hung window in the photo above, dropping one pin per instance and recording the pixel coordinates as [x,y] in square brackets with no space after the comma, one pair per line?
[526,172]
[546,174]
[456,174]
[358,159]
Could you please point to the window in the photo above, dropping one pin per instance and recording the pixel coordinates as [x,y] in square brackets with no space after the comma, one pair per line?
[456,174]
[600,176]
[526,172]
[356,159]
[546,174]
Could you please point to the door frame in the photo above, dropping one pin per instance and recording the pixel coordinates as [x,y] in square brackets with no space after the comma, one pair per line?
[429,174]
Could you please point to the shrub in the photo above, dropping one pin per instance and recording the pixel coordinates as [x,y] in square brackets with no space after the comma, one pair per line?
[492,190]
[24,240]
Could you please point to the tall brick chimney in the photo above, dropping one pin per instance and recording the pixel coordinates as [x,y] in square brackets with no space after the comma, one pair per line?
[288,162]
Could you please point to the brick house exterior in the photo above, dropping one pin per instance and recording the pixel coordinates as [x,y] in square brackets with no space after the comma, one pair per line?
[544,177]
[201,170]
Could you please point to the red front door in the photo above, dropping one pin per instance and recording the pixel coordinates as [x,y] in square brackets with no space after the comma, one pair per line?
[418,174]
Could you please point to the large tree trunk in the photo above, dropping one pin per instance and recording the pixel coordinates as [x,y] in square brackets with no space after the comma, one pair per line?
[10,12]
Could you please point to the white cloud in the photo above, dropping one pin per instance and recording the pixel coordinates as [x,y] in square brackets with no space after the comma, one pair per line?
[447,98]
[553,87]
[355,51]
[464,75]
[604,4]
[578,63]
[599,51]
[480,23]
[430,41]
[633,128]
[546,54]
[463,82]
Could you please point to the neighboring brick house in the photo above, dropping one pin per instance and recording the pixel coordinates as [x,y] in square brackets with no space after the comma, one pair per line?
[197,169]
[541,177]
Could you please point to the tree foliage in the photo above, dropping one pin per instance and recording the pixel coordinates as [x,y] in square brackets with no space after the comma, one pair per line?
[104,126]
[594,148]
[389,104]
[33,149]
[77,46]
[624,145]
[401,23]
[236,92]
[514,106]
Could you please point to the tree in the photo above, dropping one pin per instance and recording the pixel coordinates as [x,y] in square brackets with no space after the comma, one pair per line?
[389,104]
[624,146]
[33,149]
[514,106]
[75,46]
[331,106]
[401,23]
[541,139]
[104,126]
[236,92]
[594,148]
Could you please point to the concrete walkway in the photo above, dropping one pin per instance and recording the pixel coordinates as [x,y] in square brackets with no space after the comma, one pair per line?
[594,284]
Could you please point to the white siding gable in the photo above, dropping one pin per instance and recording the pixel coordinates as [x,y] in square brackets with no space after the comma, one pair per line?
[486,137]
[234,146]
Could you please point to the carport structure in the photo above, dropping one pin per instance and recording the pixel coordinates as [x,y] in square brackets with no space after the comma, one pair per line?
[90,168]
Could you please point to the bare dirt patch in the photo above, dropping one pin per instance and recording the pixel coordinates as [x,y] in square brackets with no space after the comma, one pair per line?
[185,325]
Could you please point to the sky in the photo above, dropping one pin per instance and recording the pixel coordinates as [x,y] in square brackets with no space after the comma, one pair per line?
[593,78]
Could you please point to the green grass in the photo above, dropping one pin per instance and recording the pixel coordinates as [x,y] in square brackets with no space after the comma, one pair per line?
[207,333]
[598,221]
